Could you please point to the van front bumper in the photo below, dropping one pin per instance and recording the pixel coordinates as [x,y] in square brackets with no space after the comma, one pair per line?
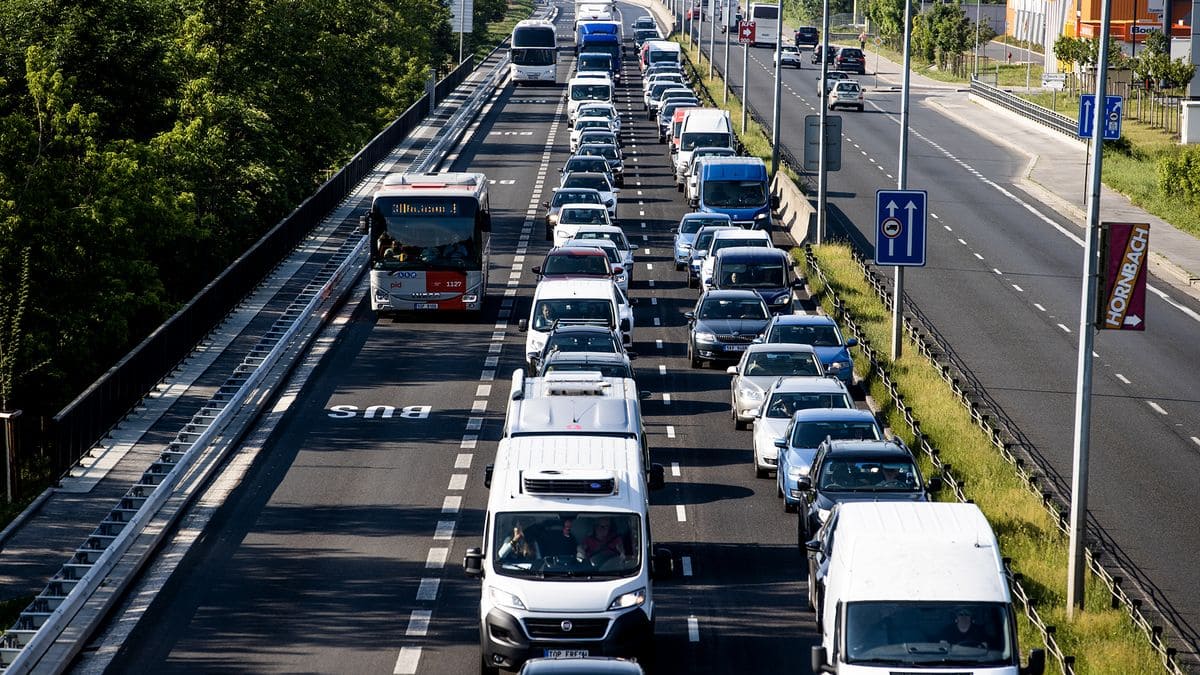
[506,642]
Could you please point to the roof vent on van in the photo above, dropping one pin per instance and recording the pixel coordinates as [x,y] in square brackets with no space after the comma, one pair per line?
[580,383]
[569,482]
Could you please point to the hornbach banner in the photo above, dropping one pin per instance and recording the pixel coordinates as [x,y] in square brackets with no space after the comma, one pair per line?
[1124,248]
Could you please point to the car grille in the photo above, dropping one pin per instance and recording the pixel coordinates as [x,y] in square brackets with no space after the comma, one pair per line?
[552,629]
[737,339]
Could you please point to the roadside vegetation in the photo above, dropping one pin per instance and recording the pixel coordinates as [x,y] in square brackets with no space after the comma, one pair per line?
[1103,640]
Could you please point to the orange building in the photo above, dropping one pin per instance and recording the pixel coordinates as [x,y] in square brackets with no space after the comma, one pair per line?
[1125,15]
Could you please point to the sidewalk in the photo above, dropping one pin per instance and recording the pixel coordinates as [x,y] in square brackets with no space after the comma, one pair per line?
[1055,173]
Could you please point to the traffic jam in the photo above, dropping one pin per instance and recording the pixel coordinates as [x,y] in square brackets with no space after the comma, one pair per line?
[567,564]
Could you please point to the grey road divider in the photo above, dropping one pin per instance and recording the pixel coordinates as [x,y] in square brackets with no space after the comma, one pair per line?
[796,214]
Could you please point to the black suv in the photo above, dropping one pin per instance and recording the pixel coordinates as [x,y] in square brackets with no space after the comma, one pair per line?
[845,471]
[851,59]
[807,36]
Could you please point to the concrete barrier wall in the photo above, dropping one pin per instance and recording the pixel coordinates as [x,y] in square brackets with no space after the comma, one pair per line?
[796,214]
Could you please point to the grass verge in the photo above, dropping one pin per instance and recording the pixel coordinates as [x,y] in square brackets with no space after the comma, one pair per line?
[1103,640]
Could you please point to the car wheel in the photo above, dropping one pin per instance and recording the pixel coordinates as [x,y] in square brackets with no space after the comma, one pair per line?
[679,187]
[692,283]
[802,533]
[487,669]
[678,266]
[695,362]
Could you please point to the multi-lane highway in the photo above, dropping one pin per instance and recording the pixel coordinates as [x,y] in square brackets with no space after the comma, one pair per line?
[341,551]
[1002,289]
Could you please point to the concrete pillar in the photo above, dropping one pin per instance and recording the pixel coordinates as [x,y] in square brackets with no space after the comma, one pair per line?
[1193,90]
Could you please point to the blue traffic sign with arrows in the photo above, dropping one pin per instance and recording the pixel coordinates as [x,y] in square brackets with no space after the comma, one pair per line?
[1112,116]
[900,227]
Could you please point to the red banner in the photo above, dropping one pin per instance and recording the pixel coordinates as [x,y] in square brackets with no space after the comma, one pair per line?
[1124,248]
[746,32]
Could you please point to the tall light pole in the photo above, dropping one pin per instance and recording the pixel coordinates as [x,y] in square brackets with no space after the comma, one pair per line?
[712,37]
[1076,563]
[902,183]
[975,68]
[778,87]
[725,68]
[822,170]
[745,89]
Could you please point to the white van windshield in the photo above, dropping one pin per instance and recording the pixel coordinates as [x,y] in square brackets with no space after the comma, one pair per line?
[548,311]
[915,634]
[583,546]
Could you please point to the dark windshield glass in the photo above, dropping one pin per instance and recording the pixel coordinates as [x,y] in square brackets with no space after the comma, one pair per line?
[910,635]
[727,308]
[785,404]
[550,545]
[693,225]
[586,164]
[576,216]
[595,182]
[605,370]
[574,197]
[872,475]
[425,233]
[532,57]
[726,242]
[574,342]
[549,311]
[766,12]
[589,265]
[592,123]
[753,274]
[691,141]
[735,193]
[781,364]
[591,92]
[810,434]
[605,151]
[817,336]
[615,237]
[533,36]
[593,61]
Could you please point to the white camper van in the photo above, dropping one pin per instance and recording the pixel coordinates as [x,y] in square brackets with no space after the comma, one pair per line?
[566,562]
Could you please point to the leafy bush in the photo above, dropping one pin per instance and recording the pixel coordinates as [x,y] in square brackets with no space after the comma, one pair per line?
[1180,173]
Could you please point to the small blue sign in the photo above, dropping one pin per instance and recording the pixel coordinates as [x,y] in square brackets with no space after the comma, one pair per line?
[900,227]
[1112,116]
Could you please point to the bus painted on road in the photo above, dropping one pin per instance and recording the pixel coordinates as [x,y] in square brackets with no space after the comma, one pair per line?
[533,52]
[429,242]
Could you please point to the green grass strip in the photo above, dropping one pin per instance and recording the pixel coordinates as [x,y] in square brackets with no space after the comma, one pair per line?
[1102,640]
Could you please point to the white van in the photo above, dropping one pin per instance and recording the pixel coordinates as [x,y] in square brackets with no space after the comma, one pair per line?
[660,51]
[913,586]
[597,301]
[766,23]
[577,403]
[587,89]
[566,561]
[702,128]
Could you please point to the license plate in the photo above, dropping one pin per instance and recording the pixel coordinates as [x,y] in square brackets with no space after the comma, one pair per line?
[735,348]
[427,305]
[566,653]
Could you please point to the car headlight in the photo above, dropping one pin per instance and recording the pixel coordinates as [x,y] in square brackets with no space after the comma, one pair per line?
[796,472]
[631,599]
[505,599]
[610,202]
[838,365]
[702,336]
[750,391]
[382,296]
[553,218]
[762,216]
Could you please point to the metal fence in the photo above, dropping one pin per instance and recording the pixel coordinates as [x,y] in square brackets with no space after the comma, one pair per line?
[77,427]
[1032,111]
[1007,441]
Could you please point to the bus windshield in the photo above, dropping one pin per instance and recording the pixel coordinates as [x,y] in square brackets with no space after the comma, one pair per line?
[426,233]
[742,193]
[532,57]
[533,36]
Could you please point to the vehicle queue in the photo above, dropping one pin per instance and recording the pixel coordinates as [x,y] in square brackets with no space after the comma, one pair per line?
[567,562]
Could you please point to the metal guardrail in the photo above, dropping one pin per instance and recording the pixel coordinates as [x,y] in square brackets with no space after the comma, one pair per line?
[24,647]
[1033,475]
[1044,116]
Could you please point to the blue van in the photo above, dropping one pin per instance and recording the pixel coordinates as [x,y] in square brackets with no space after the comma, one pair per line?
[602,37]
[738,187]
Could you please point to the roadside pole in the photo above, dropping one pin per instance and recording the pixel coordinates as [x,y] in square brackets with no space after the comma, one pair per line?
[975,68]
[745,89]
[822,168]
[712,37]
[1076,563]
[778,88]
[902,184]
[725,68]
[699,31]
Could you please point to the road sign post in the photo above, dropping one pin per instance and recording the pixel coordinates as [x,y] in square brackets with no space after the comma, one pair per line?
[745,37]
[812,143]
[900,227]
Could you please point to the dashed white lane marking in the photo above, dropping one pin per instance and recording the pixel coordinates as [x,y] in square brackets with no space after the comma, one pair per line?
[1065,329]
[658,344]
[979,256]
[451,504]
[479,405]
[487,375]
[458,481]
[693,629]
[1196,440]
[666,399]
[468,442]
[962,242]
[1018,288]
[436,559]
[1156,407]
[670,431]
[657,321]
[662,369]
[444,530]
[680,513]
[654,301]
[418,623]
[474,423]
[675,469]
[649,266]
[428,589]
[650,282]
[948,228]
[1039,307]
[934,215]
[687,565]
[1122,378]
[463,460]
[647,251]
[406,663]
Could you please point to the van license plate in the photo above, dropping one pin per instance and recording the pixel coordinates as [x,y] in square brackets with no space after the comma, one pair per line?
[735,348]
[566,653]
[427,305]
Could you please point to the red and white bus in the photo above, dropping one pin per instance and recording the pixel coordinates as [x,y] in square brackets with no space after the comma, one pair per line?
[429,242]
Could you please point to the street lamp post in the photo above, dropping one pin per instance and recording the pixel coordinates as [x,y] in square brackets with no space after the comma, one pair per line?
[975,68]
[778,87]
[902,184]
[822,169]
[725,68]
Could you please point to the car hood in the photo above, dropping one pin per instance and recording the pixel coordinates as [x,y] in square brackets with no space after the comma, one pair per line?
[798,457]
[546,595]
[826,500]
[771,427]
[762,382]
[730,326]
[832,354]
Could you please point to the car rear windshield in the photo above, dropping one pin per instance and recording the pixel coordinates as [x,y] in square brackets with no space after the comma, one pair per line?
[810,434]
[590,265]
[781,364]
[785,404]
[817,336]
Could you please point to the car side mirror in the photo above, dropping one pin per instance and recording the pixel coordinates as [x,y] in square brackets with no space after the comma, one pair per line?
[546,204]
[820,661]
[536,270]
[662,564]
[362,224]
[781,443]
[935,484]
[774,201]
[674,230]
[625,328]
[523,325]
[812,545]
[708,281]
[616,190]
[657,479]
[732,370]
[804,483]
[633,301]
[473,563]
[852,342]
[487,475]
[690,316]
[798,282]
[1037,662]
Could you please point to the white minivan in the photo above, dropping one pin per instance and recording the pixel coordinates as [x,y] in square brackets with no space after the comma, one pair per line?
[566,563]
[587,89]
[598,301]
[917,587]
[702,128]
